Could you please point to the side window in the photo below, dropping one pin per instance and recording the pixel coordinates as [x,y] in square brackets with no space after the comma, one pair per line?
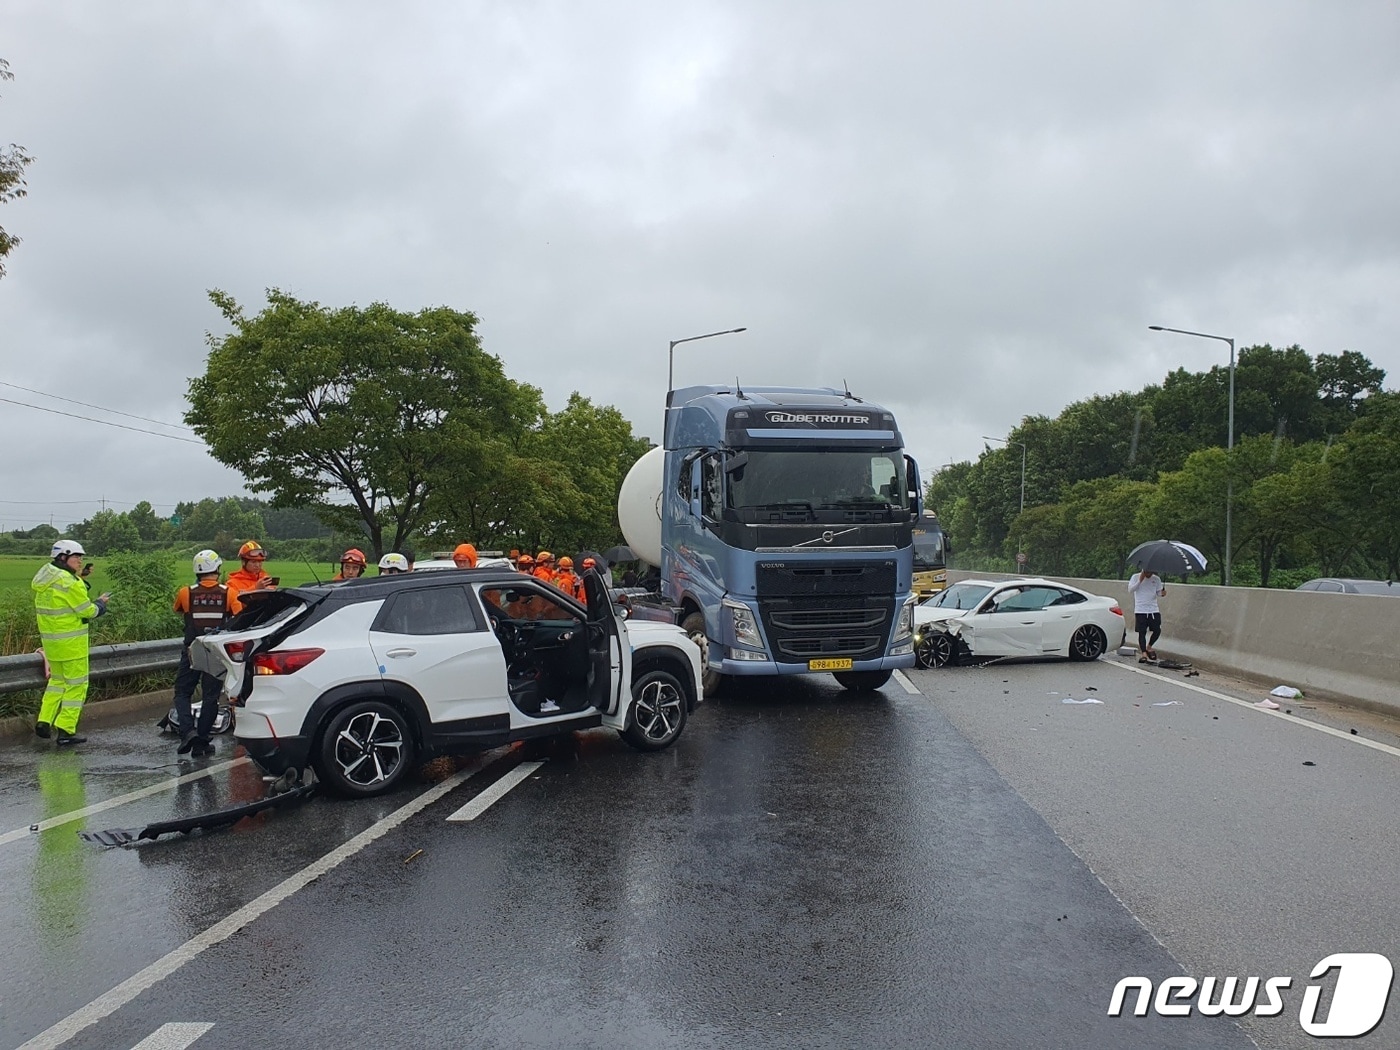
[683,479]
[526,603]
[1030,599]
[432,610]
[1068,598]
[711,489]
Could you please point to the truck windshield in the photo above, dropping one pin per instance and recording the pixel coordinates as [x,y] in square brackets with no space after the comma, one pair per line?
[774,478]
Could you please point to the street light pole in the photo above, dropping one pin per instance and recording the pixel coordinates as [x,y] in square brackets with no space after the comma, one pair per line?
[1019,554]
[1229,436]
[671,356]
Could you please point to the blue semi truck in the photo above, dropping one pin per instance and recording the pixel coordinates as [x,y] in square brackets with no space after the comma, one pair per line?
[782,521]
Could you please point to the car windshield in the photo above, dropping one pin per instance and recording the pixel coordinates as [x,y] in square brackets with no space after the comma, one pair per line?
[959,596]
[813,480]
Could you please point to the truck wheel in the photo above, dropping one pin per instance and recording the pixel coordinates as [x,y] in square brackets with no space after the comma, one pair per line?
[862,681]
[365,750]
[694,625]
[658,711]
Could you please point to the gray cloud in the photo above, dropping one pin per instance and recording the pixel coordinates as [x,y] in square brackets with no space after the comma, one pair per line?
[969,213]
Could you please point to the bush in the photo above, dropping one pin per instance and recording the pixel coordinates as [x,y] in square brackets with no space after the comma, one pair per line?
[143,591]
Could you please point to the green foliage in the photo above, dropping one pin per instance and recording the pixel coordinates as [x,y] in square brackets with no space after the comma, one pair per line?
[352,412]
[108,531]
[1314,474]
[143,594]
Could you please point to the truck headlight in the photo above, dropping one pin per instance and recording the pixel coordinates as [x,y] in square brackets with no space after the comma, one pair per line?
[745,629]
[904,625]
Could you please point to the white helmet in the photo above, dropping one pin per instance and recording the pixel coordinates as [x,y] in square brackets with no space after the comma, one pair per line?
[207,561]
[393,562]
[66,548]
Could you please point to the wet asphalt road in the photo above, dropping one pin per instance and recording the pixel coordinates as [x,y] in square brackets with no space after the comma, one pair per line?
[804,869]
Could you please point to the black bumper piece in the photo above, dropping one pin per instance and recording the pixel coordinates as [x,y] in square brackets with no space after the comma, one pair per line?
[277,756]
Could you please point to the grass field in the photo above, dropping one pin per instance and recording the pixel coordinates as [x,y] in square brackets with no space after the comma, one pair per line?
[16,572]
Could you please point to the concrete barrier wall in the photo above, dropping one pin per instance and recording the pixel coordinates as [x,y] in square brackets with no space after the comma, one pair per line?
[1346,645]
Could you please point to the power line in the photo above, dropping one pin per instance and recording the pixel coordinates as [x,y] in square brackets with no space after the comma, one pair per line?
[104,422]
[100,408]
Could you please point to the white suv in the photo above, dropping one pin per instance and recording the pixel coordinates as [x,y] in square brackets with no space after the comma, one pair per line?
[363,679]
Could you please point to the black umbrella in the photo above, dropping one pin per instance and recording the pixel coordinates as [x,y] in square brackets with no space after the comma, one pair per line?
[1168,558]
[617,554]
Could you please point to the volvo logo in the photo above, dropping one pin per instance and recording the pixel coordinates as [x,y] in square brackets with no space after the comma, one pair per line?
[825,537]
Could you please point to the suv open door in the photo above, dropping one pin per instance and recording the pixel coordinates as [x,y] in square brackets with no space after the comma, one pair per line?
[609,650]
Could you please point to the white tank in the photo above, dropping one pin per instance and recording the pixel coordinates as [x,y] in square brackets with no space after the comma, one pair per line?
[639,505]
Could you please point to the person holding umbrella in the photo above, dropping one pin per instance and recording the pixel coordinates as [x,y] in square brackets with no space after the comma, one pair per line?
[1146,587]
[1153,559]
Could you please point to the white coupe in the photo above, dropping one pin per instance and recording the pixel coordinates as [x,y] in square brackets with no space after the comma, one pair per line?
[983,619]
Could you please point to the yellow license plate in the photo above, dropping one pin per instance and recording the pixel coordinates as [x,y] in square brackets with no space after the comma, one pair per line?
[829,665]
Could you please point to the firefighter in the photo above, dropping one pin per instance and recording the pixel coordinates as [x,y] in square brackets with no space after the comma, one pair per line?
[352,565]
[526,564]
[566,580]
[205,608]
[544,566]
[464,557]
[393,564]
[250,577]
[514,557]
[63,610]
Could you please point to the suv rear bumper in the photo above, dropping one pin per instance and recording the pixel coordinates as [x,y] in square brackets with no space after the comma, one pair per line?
[276,756]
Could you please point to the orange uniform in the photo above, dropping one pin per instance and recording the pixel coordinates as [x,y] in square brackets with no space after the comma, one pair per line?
[245,579]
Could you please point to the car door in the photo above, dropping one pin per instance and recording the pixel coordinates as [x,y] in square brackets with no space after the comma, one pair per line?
[1063,612]
[611,653]
[1008,623]
[435,640]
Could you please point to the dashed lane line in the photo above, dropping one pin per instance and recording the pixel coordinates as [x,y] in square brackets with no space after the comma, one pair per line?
[177,1035]
[1375,745]
[120,800]
[497,791]
[903,680]
[109,1003]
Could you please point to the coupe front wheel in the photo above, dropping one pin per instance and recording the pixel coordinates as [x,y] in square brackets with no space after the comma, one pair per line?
[659,709]
[1087,643]
[365,750]
[936,649]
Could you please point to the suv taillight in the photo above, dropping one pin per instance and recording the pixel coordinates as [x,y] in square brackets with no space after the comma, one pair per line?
[284,661]
[236,650]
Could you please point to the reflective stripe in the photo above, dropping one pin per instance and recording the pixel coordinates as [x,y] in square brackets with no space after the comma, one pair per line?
[54,612]
[70,703]
[86,611]
[77,681]
[49,637]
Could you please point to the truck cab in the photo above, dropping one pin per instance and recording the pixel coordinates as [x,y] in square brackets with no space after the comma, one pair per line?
[786,520]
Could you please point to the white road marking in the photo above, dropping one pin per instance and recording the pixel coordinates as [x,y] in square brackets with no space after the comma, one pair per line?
[120,800]
[109,1003]
[176,1035]
[1375,745]
[497,791]
[903,679]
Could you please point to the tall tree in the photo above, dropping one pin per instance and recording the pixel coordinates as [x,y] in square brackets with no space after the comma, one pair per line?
[350,411]
[13,160]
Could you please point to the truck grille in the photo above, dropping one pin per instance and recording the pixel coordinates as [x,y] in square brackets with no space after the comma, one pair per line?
[815,611]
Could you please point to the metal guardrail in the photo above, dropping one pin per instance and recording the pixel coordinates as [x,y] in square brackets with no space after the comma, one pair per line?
[104,661]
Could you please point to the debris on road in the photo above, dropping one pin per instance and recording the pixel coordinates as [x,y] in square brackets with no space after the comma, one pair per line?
[413,856]
[1286,691]
[1169,703]
[205,821]
[1267,704]
[1309,763]
[1072,700]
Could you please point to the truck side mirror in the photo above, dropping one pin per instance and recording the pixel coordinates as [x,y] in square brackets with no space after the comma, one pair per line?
[916,490]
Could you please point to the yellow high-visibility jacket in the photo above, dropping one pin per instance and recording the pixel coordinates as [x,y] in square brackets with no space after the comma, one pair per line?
[63,609]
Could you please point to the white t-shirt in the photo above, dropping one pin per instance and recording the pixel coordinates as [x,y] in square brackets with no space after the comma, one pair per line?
[1145,593]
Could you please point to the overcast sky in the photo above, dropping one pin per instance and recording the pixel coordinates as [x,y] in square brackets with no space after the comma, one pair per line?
[971,212]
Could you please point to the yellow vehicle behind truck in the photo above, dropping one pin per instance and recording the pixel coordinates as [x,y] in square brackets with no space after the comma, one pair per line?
[931,550]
